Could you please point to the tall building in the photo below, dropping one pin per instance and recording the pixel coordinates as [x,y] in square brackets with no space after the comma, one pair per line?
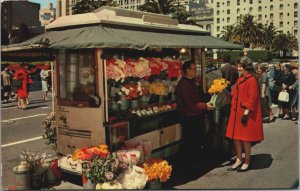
[130,4]
[283,14]
[203,15]
[14,13]
[64,7]
[47,15]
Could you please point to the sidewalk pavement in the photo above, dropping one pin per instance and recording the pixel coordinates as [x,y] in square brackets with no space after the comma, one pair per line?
[275,165]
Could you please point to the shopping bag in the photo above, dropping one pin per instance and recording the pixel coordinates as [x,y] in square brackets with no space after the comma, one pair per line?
[283,96]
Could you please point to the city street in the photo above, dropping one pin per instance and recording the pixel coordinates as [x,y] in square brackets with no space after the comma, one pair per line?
[20,129]
[274,161]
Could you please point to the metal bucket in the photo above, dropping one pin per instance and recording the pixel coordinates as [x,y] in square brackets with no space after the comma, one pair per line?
[22,177]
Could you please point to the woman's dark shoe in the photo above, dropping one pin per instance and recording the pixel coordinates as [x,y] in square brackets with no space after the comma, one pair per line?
[280,115]
[243,170]
[273,118]
[236,168]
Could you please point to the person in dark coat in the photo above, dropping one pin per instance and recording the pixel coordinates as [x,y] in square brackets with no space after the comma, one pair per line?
[191,110]
[288,81]
[245,120]
[277,80]
[229,71]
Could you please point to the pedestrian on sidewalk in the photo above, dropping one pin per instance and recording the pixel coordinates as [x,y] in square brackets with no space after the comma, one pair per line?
[245,120]
[278,80]
[191,109]
[6,77]
[44,77]
[22,91]
[294,96]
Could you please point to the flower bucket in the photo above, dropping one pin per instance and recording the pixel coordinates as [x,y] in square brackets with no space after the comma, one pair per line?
[154,185]
[145,100]
[216,115]
[161,99]
[114,106]
[51,178]
[134,103]
[36,181]
[124,103]
[22,177]
[87,183]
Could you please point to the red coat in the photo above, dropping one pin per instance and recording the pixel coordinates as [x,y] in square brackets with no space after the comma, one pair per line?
[21,74]
[245,94]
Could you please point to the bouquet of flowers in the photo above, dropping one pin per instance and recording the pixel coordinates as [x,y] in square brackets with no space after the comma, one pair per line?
[38,162]
[157,170]
[218,86]
[105,169]
[115,70]
[132,91]
[85,154]
[50,130]
[158,88]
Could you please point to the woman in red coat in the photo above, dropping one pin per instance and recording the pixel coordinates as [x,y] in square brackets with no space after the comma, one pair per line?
[245,121]
[22,91]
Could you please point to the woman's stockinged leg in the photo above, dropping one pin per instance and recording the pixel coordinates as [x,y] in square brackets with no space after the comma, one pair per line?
[238,149]
[247,149]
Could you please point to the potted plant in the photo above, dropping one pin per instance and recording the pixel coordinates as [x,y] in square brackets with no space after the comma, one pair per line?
[38,164]
[49,127]
[158,171]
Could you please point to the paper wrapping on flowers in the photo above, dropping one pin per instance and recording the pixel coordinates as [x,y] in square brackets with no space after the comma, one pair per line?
[130,157]
[109,185]
[134,178]
[220,95]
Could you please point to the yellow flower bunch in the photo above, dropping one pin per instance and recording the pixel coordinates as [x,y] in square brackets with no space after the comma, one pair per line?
[158,88]
[218,86]
[161,170]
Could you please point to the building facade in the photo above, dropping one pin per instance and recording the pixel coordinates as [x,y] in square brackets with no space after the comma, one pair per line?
[203,15]
[130,4]
[47,15]
[283,14]
[15,13]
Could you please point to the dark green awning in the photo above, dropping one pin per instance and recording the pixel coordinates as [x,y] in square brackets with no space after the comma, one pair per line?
[104,37]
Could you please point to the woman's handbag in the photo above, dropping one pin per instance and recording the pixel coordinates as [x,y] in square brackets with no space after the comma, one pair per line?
[283,96]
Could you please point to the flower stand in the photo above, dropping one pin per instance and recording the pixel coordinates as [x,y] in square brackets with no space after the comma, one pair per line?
[22,176]
[154,185]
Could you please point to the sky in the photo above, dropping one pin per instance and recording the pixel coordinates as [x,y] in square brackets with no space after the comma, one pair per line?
[44,2]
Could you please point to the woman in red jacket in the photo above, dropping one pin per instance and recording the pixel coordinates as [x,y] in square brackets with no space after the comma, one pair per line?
[22,91]
[245,121]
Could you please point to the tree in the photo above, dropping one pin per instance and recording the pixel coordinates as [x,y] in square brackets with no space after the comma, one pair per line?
[4,37]
[87,6]
[268,35]
[228,33]
[249,31]
[285,43]
[164,7]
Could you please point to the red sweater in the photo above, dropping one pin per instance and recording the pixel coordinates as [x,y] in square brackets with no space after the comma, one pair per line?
[188,98]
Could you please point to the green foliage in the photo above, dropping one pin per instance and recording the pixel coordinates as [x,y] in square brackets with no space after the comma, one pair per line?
[255,55]
[87,6]
[49,127]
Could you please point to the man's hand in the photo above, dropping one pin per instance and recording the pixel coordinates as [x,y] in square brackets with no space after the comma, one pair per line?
[210,106]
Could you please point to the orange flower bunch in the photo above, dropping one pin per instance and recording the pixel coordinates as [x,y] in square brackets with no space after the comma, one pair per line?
[87,153]
[158,170]
[218,86]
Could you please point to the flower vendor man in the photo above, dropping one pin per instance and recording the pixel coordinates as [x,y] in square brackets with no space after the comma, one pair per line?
[191,110]
[245,121]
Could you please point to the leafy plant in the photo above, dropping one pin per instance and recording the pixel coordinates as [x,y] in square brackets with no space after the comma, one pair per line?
[36,160]
[49,127]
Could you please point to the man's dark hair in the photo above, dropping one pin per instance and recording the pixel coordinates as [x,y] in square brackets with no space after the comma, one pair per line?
[187,65]
[226,58]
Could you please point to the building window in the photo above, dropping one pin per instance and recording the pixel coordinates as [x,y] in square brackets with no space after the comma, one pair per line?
[281,7]
[250,9]
[271,16]
[296,14]
[259,17]
[280,24]
[218,4]
[295,23]
[218,20]
[271,23]
[259,1]
[280,15]
[228,19]
[295,5]
[259,9]
[218,12]
[228,3]
[218,35]
[271,0]
[238,18]
[251,1]
[218,28]
[238,11]
[208,27]
[228,12]
[271,8]
[288,14]
[296,32]
[238,2]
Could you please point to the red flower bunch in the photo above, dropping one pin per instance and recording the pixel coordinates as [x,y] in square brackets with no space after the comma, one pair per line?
[88,153]
[174,68]
[14,67]
[155,66]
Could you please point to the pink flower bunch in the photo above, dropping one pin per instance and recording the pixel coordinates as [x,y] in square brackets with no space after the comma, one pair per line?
[114,70]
